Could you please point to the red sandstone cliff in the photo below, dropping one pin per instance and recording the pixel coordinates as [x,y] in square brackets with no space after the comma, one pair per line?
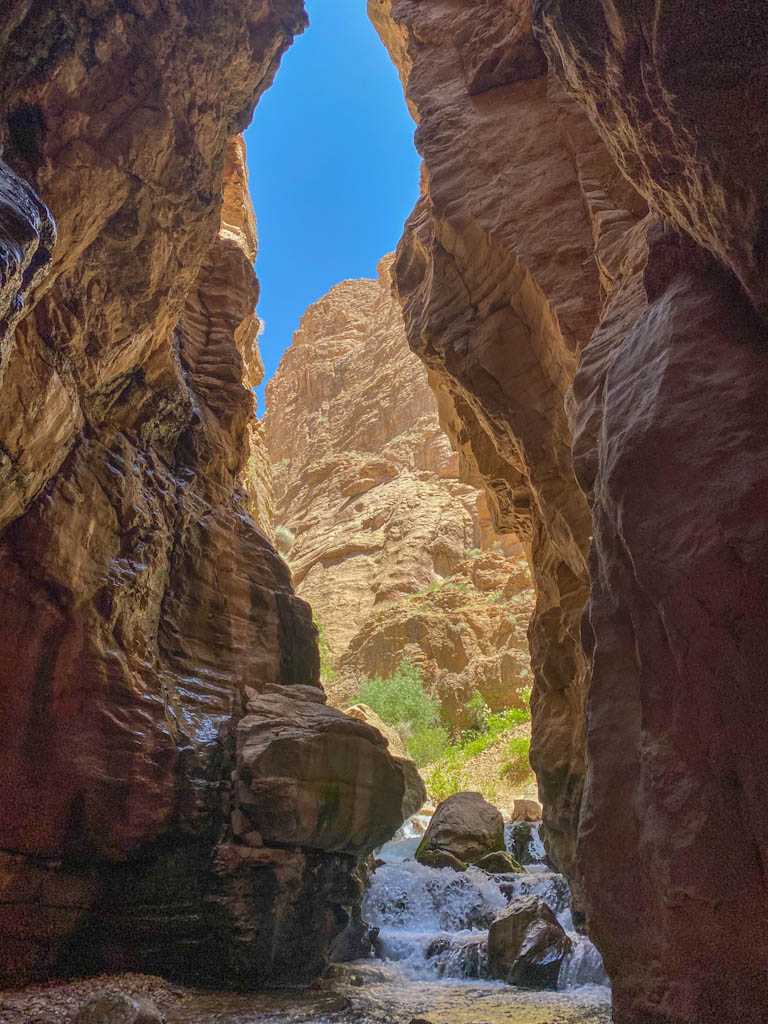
[151,645]
[499,293]
[529,255]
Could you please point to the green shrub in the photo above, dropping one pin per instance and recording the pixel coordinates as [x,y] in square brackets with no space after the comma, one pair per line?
[517,767]
[472,553]
[478,711]
[428,743]
[446,778]
[400,699]
[284,539]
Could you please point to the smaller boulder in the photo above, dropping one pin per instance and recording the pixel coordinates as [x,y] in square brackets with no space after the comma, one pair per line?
[527,945]
[524,842]
[441,859]
[365,714]
[466,826]
[499,863]
[355,942]
[526,810]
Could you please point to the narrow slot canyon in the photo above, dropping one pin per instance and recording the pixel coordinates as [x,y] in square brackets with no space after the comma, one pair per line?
[434,691]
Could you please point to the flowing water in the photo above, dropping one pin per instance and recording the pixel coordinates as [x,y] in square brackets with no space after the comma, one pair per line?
[432,955]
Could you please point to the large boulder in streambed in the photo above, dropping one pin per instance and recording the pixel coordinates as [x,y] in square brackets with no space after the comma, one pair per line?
[526,945]
[310,776]
[466,826]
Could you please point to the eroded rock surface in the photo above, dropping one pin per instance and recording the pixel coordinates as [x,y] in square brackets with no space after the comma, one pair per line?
[363,475]
[467,634]
[671,450]
[138,597]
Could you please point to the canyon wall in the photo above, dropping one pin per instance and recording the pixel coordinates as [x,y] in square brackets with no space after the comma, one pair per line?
[176,795]
[672,450]
[389,528]
[535,282]
[499,291]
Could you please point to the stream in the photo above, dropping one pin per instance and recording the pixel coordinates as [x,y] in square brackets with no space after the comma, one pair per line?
[432,955]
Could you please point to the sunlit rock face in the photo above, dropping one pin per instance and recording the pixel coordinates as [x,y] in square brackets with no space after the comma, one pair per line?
[363,475]
[384,514]
[501,273]
[140,605]
[671,433]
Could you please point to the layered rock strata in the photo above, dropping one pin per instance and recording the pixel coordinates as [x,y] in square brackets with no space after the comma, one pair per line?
[138,599]
[529,247]
[384,515]
[467,634]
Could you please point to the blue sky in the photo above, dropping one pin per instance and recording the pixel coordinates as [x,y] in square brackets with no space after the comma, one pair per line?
[333,170]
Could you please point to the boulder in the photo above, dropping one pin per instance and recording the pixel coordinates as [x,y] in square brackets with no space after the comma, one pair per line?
[415,790]
[466,826]
[355,941]
[524,843]
[117,1008]
[365,714]
[311,776]
[526,945]
[526,810]
[499,863]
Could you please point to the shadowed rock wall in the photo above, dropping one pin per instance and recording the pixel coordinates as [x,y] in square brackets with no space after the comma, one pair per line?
[672,450]
[500,292]
[150,639]
[660,313]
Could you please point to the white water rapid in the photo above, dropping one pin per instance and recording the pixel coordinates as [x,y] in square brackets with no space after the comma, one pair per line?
[433,922]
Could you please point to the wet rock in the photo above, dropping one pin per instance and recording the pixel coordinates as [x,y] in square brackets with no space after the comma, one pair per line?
[356,941]
[524,843]
[117,1008]
[526,945]
[459,956]
[499,863]
[548,886]
[466,826]
[441,859]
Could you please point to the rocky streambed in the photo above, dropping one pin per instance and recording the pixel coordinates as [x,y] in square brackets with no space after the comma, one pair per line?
[431,929]
[432,953]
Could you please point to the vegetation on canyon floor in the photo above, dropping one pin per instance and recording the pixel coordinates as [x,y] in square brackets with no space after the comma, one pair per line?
[490,755]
